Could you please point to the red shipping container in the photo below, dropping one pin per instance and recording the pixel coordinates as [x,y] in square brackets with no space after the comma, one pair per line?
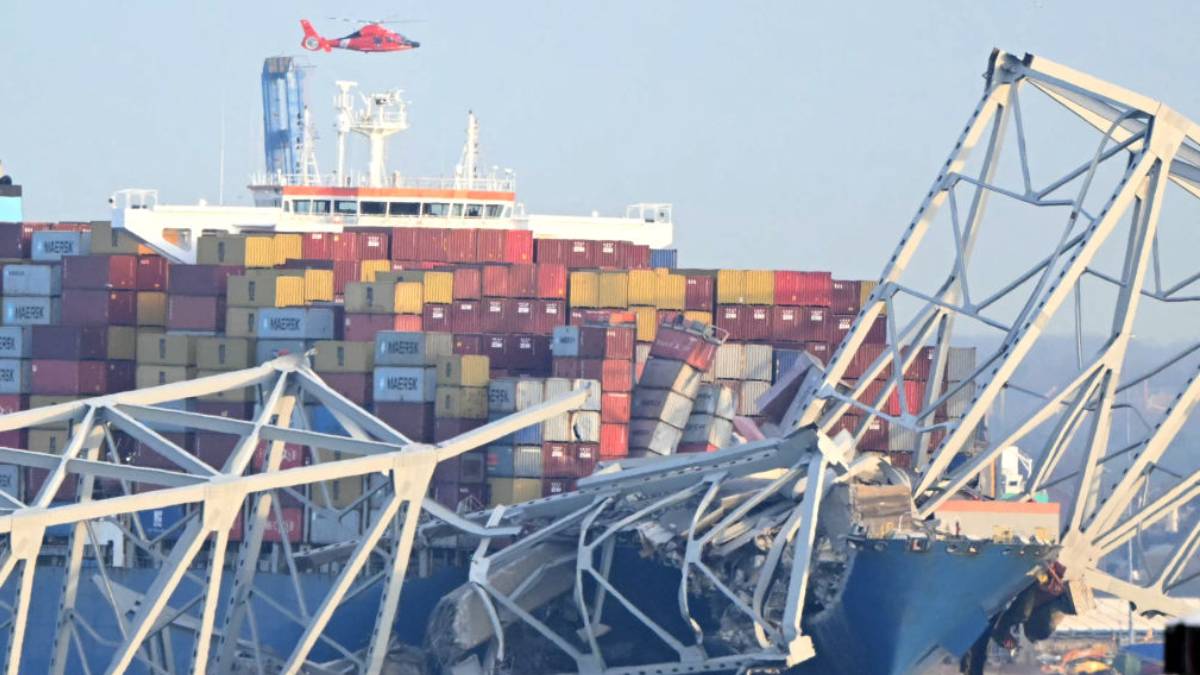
[372,245]
[565,366]
[99,272]
[436,319]
[637,257]
[12,242]
[495,281]
[615,407]
[70,343]
[552,281]
[613,342]
[877,333]
[610,254]
[614,441]
[468,344]
[414,420]
[815,324]
[731,319]
[446,428]
[461,245]
[10,403]
[294,455]
[557,486]
[489,245]
[821,350]
[200,279]
[231,409]
[529,354]
[468,283]
[466,317]
[344,272]
[917,370]
[756,322]
[98,308]
[357,387]
[875,436]
[56,378]
[844,297]
[581,253]
[550,313]
[840,328]
[682,345]
[293,522]
[35,478]
[699,292]
[405,245]
[151,273]
[522,281]
[617,375]
[495,315]
[195,313]
[522,316]
[561,460]
[785,324]
[518,246]
[551,251]
[432,245]
[318,245]
[363,327]
[803,288]
[495,347]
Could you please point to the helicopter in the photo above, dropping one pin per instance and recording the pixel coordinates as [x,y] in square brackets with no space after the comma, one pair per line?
[372,37]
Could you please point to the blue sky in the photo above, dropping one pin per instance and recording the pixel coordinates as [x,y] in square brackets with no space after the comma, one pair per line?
[787,134]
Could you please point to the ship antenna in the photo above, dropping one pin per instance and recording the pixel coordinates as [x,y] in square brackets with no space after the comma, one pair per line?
[345,106]
[467,169]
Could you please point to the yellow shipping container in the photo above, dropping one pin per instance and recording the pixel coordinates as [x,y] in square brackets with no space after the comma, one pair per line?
[760,287]
[289,292]
[260,251]
[584,290]
[409,297]
[288,247]
[368,268]
[865,288]
[731,287]
[698,315]
[672,292]
[643,287]
[318,285]
[151,308]
[647,323]
[614,290]
[439,288]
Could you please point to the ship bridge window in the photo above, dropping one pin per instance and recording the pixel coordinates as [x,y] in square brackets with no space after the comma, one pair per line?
[302,205]
[404,209]
[457,211]
[346,207]
[372,208]
[435,209]
[320,206]
[474,210]
[495,210]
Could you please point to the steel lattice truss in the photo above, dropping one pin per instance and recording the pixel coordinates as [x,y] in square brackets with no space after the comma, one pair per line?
[1086,251]
[370,448]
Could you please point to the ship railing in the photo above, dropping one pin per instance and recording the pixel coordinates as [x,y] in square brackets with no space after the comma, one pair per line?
[649,212]
[134,198]
[490,184]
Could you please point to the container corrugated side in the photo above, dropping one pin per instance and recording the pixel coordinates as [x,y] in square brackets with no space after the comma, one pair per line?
[260,251]
[367,269]
[289,292]
[760,287]
[731,287]
[439,288]
[408,297]
[318,285]
[614,290]
[584,289]
[643,287]
[288,247]
[671,292]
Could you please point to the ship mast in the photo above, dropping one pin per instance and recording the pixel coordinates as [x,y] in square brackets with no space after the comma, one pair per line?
[468,167]
[345,108]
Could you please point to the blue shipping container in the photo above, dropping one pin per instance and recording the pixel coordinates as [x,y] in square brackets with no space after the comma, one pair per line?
[784,360]
[664,257]
[155,522]
[323,421]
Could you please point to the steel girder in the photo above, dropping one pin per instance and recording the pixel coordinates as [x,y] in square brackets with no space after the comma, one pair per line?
[1114,204]
[222,625]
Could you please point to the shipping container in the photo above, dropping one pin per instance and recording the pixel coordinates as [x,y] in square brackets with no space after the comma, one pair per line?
[756,322]
[732,319]
[151,308]
[239,321]
[717,400]
[405,384]
[100,271]
[664,258]
[200,279]
[584,290]
[730,361]
[617,375]
[107,240]
[16,342]
[82,307]
[803,288]
[41,280]
[151,273]
[503,491]
[699,292]
[15,376]
[224,353]
[461,403]
[552,281]
[522,281]
[50,245]
[614,441]
[57,377]
[668,374]
[518,246]
[362,245]
[333,527]
[70,343]
[436,318]
[462,371]
[549,313]
[522,316]
[289,291]
[758,362]
[653,436]
[661,404]
[643,287]
[695,345]
[494,315]
[12,242]
[357,387]
[612,289]
[749,394]
[414,420]
[466,316]
[395,348]
[221,249]
[295,323]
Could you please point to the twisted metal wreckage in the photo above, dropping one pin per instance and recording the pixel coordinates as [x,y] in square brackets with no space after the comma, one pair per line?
[761,536]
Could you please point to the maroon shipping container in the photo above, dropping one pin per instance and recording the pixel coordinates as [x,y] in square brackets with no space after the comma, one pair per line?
[495,315]
[785,324]
[55,377]
[495,347]
[448,427]
[404,243]
[877,333]
[233,409]
[557,486]
[529,354]
[468,344]
[495,281]
[461,244]
[468,283]
[591,369]
[35,478]
[569,460]
[840,327]
[357,387]
[200,279]
[518,246]
[195,313]
[522,281]
[615,407]
[863,358]
[151,273]
[344,272]
[617,375]
[814,324]
[10,403]
[121,376]
[214,449]
[844,298]
[13,243]
[637,257]
[414,420]
[522,317]
[612,342]
[363,327]
[731,318]
[372,245]
[319,245]
[432,245]
[581,253]
[565,366]
[551,251]
[700,290]
[293,523]
[803,288]
[681,345]
[294,456]
[98,308]
[550,313]
[756,322]
[610,254]
[466,317]
[552,281]
[436,319]
[70,343]
[875,437]
[821,350]
[100,272]
[489,245]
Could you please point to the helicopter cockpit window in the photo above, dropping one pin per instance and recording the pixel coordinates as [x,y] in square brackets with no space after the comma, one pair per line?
[346,207]
[436,209]
[474,210]
[302,205]
[320,206]
[372,208]
[404,209]
[494,210]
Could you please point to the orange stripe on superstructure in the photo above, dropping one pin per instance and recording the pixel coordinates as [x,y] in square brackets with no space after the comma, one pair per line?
[978,506]
[318,191]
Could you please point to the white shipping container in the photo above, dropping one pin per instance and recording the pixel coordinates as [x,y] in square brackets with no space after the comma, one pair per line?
[325,527]
[15,342]
[14,376]
[33,280]
[959,401]
[748,399]
[641,352]
[715,399]
[757,362]
[502,395]
[52,245]
[585,427]
[557,428]
[406,348]
[670,374]
[708,429]
[729,361]
[406,384]
[661,404]
[30,311]
[10,480]
[900,438]
[556,386]
[296,323]
[659,438]
[530,392]
[960,363]
[565,341]
[592,387]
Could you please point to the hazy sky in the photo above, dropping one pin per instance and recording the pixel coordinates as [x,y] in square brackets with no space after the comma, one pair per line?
[787,134]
